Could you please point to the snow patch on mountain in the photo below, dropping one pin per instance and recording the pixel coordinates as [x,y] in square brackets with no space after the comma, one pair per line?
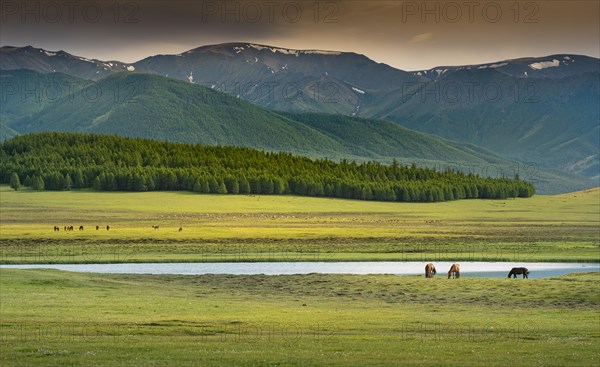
[130,68]
[544,64]
[319,52]
[493,66]
[190,77]
[287,51]
[87,60]
[358,90]
[567,60]
[50,53]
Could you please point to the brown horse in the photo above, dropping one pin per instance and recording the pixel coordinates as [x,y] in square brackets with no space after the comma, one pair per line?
[430,270]
[515,271]
[454,271]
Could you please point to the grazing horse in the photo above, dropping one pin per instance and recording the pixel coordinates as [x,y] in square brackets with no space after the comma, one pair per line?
[430,270]
[81,228]
[515,271]
[454,271]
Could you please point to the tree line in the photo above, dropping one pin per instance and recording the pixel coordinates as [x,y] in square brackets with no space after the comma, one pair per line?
[64,161]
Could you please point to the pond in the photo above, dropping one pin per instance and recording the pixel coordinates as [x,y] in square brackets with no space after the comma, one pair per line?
[468,269]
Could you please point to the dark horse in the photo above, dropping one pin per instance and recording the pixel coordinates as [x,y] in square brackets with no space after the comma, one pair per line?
[515,271]
[430,270]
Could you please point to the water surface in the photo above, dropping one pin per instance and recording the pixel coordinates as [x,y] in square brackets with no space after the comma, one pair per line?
[468,269]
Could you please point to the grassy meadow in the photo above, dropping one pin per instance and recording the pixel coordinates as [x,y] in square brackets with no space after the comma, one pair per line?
[291,228]
[56,318]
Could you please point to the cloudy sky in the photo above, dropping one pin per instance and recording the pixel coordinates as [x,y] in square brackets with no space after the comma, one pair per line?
[409,35]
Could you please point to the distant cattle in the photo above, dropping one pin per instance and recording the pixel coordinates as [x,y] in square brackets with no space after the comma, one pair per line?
[56,229]
[81,228]
[180,229]
[97,228]
[155,227]
[107,228]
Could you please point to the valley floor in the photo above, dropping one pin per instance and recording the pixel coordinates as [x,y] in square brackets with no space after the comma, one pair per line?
[290,228]
[53,318]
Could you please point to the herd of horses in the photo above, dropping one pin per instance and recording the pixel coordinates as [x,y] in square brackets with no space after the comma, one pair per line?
[70,228]
[454,271]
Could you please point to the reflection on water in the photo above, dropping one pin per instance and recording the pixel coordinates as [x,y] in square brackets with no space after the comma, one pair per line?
[468,269]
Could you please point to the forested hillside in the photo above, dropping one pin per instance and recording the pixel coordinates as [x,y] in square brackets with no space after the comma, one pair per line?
[61,161]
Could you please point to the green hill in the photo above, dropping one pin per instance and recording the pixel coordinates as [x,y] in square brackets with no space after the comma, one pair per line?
[23,93]
[160,108]
[148,106]
[380,138]
[155,107]
[552,121]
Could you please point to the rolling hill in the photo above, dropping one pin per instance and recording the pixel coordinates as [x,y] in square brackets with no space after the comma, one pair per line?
[160,108]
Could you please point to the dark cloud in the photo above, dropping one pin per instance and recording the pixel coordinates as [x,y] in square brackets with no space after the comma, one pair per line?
[408,35]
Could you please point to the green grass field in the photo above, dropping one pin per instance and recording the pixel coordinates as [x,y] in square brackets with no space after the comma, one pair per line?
[53,318]
[290,228]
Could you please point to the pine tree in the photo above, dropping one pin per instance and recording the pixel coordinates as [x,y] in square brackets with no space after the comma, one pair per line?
[79,180]
[97,183]
[205,186]
[67,182]
[232,185]
[15,183]
[214,185]
[38,183]
[222,189]
[244,186]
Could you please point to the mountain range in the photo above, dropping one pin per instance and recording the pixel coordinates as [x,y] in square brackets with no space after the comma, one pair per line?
[539,110]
